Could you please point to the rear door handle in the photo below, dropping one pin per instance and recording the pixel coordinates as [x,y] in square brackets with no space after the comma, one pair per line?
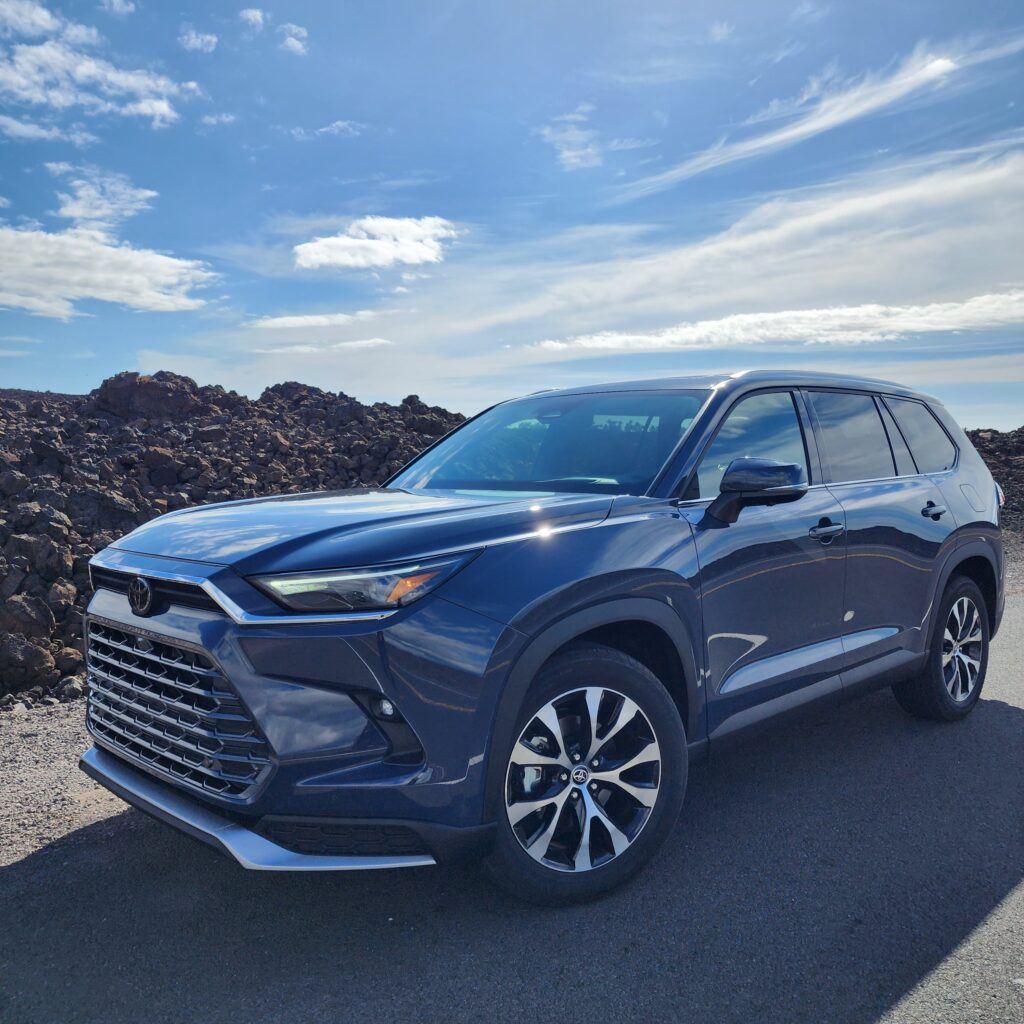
[933,511]
[825,531]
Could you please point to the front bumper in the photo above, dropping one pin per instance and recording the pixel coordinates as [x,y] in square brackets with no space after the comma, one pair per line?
[250,849]
[311,688]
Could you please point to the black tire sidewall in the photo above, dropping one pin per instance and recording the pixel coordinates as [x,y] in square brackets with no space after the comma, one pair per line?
[592,665]
[958,587]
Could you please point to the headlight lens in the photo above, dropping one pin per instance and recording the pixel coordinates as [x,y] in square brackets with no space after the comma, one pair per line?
[351,590]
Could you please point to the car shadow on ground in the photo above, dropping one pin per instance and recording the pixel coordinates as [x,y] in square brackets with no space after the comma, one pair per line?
[817,873]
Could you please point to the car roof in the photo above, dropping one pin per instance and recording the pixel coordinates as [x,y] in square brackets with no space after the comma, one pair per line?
[743,380]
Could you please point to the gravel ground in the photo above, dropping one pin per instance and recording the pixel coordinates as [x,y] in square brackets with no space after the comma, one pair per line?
[856,866]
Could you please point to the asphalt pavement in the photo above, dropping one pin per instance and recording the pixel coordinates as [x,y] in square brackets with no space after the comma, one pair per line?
[855,866]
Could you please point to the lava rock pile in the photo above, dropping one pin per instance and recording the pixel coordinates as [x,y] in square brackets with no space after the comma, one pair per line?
[77,471]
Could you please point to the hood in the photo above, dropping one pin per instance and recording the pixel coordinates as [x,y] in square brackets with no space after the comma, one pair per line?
[298,532]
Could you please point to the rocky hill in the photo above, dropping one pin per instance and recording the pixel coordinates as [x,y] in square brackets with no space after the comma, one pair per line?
[77,471]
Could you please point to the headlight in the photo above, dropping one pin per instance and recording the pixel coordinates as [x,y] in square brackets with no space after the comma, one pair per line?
[351,590]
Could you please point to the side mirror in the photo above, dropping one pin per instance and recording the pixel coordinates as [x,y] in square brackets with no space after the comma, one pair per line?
[755,482]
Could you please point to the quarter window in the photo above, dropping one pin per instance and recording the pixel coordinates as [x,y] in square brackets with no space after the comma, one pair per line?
[762,426]
[856,446]
[932,448]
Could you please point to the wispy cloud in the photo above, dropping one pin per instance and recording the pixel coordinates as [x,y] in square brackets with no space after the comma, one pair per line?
[293,39]
[835,325]
[199,42]
[119,7]
[825,104]
[98,200]
[21,130]
[47,272]
[579,145]
[211,120]
[347,128]
[378,242]
[324,349]
[306,320]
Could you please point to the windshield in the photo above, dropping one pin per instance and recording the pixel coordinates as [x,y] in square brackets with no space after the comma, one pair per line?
[608,443]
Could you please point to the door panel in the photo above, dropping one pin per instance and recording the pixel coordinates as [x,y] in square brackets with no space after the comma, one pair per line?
[772,609]
[893,555]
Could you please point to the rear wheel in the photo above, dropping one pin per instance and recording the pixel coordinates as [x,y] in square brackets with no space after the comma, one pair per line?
[594,781]
[951,682]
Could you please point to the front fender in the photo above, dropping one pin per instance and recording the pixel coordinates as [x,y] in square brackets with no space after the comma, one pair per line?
[540,647]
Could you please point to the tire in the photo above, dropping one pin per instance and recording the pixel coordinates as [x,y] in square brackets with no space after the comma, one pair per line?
[949,686]
[601,801]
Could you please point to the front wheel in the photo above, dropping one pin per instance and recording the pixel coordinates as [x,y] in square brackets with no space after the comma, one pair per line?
[951,682]
[594,781]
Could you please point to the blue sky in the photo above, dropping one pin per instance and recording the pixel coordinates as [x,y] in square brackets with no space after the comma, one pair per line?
[471,200]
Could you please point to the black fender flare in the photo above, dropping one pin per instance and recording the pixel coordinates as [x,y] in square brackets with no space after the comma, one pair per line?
[957,556]
[540,647]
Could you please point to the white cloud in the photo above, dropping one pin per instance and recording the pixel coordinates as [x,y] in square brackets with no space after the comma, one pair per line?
[98,200]
[304,320]
[335,346]
[27,18]
[826,104]
[720,31]
[349,128]
[4,202]
[253,18]
[120,7]
[30,131]
[47,272]
[844,325]
[200,42]
[580,146]
[215,119]
[293,38]
[60,76]
[378,242]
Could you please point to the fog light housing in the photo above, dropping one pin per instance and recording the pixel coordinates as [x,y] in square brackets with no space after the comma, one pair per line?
[386,709]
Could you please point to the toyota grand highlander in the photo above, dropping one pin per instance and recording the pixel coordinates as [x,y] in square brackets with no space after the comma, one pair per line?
[513,649]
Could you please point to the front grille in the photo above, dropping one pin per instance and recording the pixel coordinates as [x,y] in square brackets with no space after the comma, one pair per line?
[171,709]
[165,592]
[341,839]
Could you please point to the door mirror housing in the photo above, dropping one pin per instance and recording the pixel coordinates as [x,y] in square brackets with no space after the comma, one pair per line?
[755,482]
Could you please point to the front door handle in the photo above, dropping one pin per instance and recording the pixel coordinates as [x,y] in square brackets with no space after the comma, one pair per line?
[825,531]
[933,511]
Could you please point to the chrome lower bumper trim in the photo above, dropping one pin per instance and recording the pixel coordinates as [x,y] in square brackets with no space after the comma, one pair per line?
[252,851]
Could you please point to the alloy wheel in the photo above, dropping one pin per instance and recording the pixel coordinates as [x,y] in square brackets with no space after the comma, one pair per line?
[962,649]
[583,779]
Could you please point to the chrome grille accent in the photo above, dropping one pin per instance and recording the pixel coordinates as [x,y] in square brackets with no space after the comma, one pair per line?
[171,709]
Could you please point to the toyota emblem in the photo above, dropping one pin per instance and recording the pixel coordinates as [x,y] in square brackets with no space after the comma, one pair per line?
[140,596]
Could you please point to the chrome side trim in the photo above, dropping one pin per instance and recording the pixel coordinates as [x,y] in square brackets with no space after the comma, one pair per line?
[252,851]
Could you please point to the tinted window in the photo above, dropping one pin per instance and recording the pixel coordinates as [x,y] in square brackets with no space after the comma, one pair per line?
[760,427]
[932,448]
[900,452]
[609,443]
[856,447]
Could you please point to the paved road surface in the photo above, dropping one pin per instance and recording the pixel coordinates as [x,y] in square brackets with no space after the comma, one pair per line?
[854,867]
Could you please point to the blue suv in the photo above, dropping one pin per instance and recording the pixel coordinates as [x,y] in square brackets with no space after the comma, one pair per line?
[513,649]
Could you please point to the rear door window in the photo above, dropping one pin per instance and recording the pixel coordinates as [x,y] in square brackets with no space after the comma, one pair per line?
[932,448]
[900,452]
[855,442]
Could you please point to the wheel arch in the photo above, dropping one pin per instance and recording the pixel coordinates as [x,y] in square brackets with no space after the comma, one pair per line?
[607,622]
[976,560]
